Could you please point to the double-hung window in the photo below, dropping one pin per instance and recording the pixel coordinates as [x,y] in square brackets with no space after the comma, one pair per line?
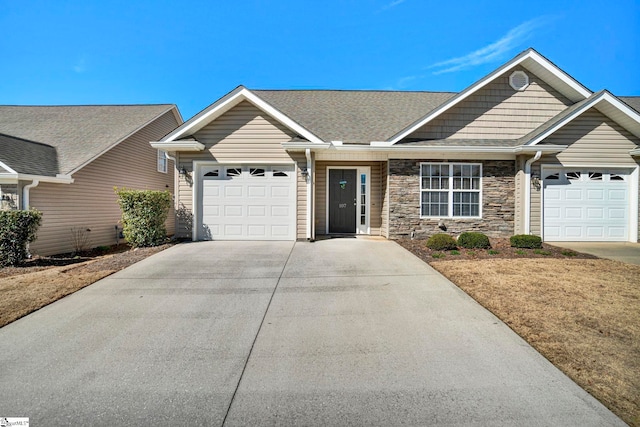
[162,162]
[450,190]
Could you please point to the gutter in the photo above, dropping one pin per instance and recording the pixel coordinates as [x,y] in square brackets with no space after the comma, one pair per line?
[527,191]
[25,193]
[309,179]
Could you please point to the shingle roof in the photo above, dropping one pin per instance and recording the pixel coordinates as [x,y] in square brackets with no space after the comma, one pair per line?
[353,117]
[459,143]
[78,133]
[28,157]
[631,101]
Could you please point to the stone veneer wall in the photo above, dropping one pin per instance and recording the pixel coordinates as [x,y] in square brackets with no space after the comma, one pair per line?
[498,201]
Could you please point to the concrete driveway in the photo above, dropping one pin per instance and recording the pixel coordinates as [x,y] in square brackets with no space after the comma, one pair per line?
[337,332]
[619,251]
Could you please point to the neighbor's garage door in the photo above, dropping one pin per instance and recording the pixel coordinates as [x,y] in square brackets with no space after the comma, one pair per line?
[248,202]
[585,205]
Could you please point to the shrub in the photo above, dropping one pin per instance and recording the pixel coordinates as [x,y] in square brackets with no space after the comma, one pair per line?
[441,242]
[471,240]
[143,215]
[526,241]
[17,229]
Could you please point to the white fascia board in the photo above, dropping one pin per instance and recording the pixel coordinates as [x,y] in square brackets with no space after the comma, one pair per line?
[530,54]
[546,149]
[226,103]
[7,168]
[381,143]
[58,179]
[610,103]
[427,149]
[178,146]
[294,145]
[580,92]
[635,153]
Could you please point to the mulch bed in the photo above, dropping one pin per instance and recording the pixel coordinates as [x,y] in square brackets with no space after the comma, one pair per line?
[500,248]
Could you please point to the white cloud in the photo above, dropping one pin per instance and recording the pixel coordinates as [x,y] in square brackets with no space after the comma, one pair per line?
[80,66]
[390,5]
[493,52]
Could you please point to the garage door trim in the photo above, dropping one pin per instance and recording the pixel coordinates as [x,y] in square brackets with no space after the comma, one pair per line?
[196,207]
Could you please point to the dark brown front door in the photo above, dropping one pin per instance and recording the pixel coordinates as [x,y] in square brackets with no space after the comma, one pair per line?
[342,200]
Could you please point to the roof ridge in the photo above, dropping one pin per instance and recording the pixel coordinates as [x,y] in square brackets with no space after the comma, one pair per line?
[90,105]
[351,90]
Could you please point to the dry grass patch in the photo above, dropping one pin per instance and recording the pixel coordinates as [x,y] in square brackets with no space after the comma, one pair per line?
[29,287]
[582,315]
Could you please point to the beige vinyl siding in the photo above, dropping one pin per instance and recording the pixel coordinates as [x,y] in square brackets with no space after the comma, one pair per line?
[376,194]
[301,196]
[245,134]
[594,139]
[90,202]
[536,202]
[384,189]
[497,111]
[242,135]
[519,196]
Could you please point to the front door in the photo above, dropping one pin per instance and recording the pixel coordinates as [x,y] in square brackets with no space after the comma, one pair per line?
[342,200]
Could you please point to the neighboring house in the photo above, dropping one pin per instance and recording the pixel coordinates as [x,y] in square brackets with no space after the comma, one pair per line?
[526,149]
[66,160]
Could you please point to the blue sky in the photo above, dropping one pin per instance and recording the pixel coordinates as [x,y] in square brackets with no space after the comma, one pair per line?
[192,52]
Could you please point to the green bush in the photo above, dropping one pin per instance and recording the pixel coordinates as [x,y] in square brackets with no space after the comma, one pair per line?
[471,240]
[143,215]
[441,242]
[527,241]
[17,229]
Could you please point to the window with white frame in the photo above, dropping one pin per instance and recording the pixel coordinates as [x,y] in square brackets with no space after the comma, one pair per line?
[162,162]
[451,190]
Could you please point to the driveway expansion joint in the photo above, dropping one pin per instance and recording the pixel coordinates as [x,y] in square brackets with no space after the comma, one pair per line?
[246,362]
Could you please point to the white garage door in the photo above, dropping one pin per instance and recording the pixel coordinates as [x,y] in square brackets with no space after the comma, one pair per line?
[586,205]
[248,202]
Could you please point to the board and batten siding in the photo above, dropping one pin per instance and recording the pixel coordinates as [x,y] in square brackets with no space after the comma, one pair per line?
[91,203]
[244,134]
[376,194]
[497,111]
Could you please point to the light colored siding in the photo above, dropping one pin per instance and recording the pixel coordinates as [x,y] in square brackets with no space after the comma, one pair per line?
[497,111]
[91,202]
[536,202]
[594,139]
[384,189]
[301,196]
[519,196]
[376,194]
[245,134]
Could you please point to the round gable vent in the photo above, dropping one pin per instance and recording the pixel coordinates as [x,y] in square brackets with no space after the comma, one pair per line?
[519,80]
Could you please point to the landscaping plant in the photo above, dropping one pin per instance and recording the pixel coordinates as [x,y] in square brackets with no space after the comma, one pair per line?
[17,229]
[143,215]
[473,240]
[441,242]
[527,241]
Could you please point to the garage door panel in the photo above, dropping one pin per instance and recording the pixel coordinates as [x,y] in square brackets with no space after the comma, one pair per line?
[253,204]
[589,206]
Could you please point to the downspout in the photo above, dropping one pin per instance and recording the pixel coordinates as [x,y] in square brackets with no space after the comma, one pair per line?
[527,191]
[25,193]
[309,177]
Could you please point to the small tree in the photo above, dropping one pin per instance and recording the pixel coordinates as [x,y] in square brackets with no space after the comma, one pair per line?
[143,215]
[17,229]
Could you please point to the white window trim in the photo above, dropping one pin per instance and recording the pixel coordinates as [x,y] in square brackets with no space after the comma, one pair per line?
[161,162]
[450,191]
[360,170]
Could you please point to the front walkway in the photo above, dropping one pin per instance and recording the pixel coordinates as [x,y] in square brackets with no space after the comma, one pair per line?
[336,332]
